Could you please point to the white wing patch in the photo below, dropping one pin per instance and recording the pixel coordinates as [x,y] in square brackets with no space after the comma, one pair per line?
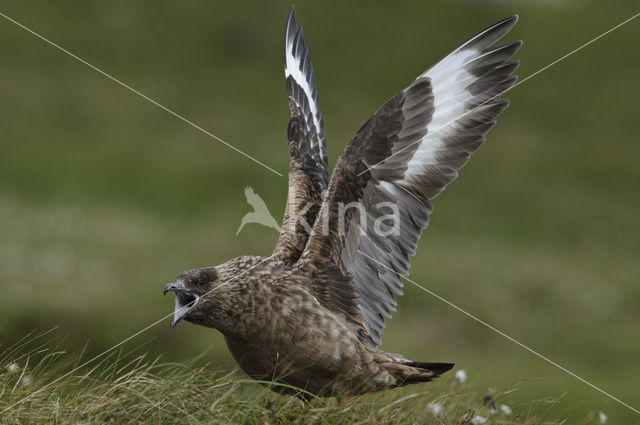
[452,80]
[298,66]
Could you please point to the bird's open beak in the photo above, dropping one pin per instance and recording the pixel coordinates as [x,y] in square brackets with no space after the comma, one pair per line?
[186,300]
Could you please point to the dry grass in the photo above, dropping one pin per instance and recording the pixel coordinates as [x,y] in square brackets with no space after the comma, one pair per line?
[35,388]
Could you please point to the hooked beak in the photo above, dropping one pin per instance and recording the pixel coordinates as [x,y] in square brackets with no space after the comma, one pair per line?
[186,300]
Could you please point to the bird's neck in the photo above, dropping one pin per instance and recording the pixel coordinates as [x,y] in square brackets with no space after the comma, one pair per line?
[232,309]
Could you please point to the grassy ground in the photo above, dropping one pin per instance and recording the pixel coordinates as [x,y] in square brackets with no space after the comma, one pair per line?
[137,389]
[104,198]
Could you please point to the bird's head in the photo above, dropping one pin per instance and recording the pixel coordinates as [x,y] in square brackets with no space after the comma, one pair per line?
[194,291]
[209,296]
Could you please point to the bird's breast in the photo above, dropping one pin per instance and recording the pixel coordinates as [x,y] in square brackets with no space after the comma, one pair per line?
[298,340]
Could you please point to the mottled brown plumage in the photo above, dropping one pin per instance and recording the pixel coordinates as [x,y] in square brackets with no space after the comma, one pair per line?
[310,316]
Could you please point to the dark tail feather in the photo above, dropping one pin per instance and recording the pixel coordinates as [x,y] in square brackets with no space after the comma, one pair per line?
[438,368]
[407,372]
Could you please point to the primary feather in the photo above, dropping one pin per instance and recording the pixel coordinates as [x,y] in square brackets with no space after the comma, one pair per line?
[308,170]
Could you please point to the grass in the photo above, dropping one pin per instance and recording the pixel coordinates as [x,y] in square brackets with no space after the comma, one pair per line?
[120,388]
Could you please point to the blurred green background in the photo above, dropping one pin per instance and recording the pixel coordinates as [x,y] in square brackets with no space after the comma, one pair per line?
[104,197]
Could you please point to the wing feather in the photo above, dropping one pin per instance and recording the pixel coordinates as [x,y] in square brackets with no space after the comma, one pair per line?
[308,174]
[402,158]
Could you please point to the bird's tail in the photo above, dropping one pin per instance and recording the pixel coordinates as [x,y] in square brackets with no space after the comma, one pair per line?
[404,372]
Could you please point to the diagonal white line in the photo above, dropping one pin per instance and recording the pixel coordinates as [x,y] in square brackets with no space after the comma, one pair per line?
[123,341]
[138,93]
[548,360]
[512,87]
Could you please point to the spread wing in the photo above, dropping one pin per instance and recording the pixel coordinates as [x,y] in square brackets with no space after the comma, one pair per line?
[308,175]
[379,196]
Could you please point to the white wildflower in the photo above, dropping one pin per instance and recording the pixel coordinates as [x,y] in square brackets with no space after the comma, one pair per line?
[436,408]
[601,417]
[12,367]
[505,409]
[461,376]
[26,380]
[478,420]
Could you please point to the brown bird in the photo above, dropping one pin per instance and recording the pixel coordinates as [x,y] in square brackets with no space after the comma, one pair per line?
[310,316]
